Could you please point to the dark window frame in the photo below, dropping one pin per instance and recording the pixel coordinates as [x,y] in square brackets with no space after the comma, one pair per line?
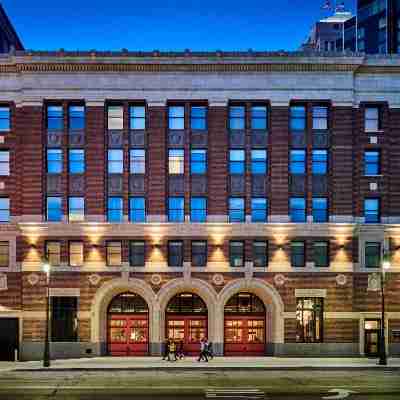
[326,256]
[138,254]
[375,257]
[234,253]
[178,261]
[64,319]
[199,255]
[263,255]
[298,259]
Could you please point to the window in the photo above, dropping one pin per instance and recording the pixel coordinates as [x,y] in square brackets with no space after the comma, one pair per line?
[260,254]
[176,117]
[137,209]
[114,254]
[372,210]
[176,209]
[5,120]
[175,254]
[115,161]
[76,207]
[319,162]
[75,254]
[372,163]
[198,209]
[236,254]
[258,161]
[76,161]
[320,209]
[297,118]
[64,319]
[198,161]
[137,253]
[236,161]
[115,117]
[198,117]
[53,253]
[54,161]
[310,318]
[320,118]
[297,254]
[321,254]
[55,118]
[372,119]
[297,162]
[237,117]
[4,163]
[137,161]
[115,211]
[176,162]
[259,210]
[236,209]
[76,117]
[53,209]
[199,253]
[137,117]
[372,254]
[4,254]
[259,117]
[297,209]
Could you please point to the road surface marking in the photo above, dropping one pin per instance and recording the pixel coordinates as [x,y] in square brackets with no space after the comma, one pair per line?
[341,394]
[235,393]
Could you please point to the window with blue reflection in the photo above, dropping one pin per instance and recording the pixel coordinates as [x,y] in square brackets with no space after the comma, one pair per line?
[237,117]
[54,161]
[236,209]
[115,211]
[297,118]
[176,117]
[320,209]
[198,209]
[76,117]
[198,161]
[176,209]
[55,118]
[198,117]
[297,162]
[372,211]
[53,209]
[259,117]
[297,209]
[236,162]
[259,208]
[372,163]
[259,161]
[137,161]
[137,117]
[137,209]
[5,119]
[76,209]
[4,209]
[76,161]
[319,162]
[115,161]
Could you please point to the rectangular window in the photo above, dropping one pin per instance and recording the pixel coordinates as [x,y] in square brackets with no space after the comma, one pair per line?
[198,118]
[260,254]
[236,254]
[54,209]
[310,319]
[76,117]
[236,161]
[297,162]
[64,319]
[259,161]
[115,211]
[4,254]
[372,119]
[75,254]
[176,209]
[198,209]
[5,119]
[236,209]
[372,163]
[55,118]
[297,209]
[321,254]
[259,210]
[372,254]
[137,161]
[54,161]
[320,209]
[198,161]
[372,211]
[137,209]
[259,117]
[297,254]
[76,161]
[76,207]
[53,253]
[297,118]
[319,162]
[115,161]
[176,162]
[199,253]
[4,163]
[137,253]
[176,117]
[175,254]
[237,117]
[320,118]
[114,254]
[137,117]
[115,117]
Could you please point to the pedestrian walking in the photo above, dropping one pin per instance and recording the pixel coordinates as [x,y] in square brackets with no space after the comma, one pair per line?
[203,350]
[180,352]
[165,349]
[172,351]
[210,351]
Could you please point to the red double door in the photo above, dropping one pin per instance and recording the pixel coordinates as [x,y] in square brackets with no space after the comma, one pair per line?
[128,335]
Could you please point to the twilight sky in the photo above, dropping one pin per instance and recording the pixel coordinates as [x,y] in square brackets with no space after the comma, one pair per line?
[164,25]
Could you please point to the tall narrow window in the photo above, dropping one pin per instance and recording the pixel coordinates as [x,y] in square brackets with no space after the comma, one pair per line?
[236,161]
[176,117]
[54,161]
[76,207]
[372,254]
[175,253]
[64,319]
[137,117]
[237,117]
[115,211]
[259,161]
[310,319]
[259,209]
[236,253]
[176,162]
[5,120]
[320,209]
[137,253]
[297,254]
[321,254]
[319,162]
[198,209]
[199,253]
[137,161]
[176,209]
[4,254]
[53,253]
[115,161]
[4,163]
[55,118]
[372,211]
[259,117]
[76,117]
[115,117]
[76,161]
[198,162]
[297,162]
[114,254]
[297,118]
[320,118]
[137,209]
[236,209]
[75,254]
[260,254]
[198,118]
[297,209]
[372,119]
[372,163]
[54,209]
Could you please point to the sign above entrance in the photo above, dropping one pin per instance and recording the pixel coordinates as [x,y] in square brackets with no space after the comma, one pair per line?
[310,292]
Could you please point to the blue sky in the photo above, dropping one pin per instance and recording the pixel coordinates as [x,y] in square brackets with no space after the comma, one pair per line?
[164,25]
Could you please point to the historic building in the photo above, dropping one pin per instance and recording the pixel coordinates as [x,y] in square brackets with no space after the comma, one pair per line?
[245,197]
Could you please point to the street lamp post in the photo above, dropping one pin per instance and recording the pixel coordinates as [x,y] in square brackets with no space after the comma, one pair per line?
[382,346]
[46,353]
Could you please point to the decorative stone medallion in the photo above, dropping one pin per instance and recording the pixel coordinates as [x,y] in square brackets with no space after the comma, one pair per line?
[218,279]
[279,280]
[94,279]
[156,279]
[3,282]
[341,279]
[33,279]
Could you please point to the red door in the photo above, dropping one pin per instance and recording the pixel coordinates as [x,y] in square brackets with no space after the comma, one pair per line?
[128,335]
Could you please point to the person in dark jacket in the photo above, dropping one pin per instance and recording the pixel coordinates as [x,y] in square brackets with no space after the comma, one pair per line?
[180,352]
[165,349]
[210,351]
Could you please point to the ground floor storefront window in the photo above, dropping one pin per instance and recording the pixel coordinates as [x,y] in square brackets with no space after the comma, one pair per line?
[309,318]
[64,319]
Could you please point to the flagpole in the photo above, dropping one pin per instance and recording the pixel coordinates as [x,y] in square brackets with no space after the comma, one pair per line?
[356,46]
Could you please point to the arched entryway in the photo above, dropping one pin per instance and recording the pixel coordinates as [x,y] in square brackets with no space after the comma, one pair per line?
[186,320]
[128,325]
[244,325]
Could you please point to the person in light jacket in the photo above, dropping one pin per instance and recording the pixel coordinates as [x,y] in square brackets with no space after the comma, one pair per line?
[203,350]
